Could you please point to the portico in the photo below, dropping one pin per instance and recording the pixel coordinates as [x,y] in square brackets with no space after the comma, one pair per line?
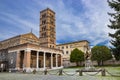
[38,58]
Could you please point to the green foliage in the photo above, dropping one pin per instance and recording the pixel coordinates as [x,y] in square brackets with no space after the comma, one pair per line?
[115,25]
[76,56]
[100,54]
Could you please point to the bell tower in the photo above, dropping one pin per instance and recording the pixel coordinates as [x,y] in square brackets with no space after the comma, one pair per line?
[47,28]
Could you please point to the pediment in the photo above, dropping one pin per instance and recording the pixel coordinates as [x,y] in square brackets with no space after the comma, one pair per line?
[30,36]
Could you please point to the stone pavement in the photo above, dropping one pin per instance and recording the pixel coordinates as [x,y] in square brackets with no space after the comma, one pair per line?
[21,76]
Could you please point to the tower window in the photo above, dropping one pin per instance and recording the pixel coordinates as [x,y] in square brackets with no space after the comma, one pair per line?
[51,29]
[43,34]
[43,22]
[44,28]
[51,21]
[52,16]
[44,15]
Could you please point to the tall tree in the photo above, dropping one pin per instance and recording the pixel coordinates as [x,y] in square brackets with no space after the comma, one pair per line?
[115,25]
[77,56]
[101,54]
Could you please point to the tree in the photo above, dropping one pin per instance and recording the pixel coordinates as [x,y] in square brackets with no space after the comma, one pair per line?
[77,56]
[115,25]
[101,54]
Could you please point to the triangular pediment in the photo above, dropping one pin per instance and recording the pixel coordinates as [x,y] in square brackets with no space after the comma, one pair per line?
[29,36]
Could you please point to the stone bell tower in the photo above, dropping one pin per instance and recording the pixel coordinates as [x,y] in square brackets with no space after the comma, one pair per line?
[47,28]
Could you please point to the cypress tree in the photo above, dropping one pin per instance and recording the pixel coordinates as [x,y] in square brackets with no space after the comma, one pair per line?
[115,25]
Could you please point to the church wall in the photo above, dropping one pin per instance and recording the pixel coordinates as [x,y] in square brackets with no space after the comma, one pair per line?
[12,57]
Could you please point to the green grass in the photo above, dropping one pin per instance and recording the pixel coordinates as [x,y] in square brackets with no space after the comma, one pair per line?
[113,70]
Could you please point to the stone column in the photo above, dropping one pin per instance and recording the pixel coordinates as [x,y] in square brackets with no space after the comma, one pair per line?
[51,60]
[61,63]
[37,61]
[25,59]
[44,66]
[18,60]
[28,58]
[56,60]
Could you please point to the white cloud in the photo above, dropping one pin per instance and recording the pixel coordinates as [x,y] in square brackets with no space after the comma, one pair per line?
[23,24]
[91,25]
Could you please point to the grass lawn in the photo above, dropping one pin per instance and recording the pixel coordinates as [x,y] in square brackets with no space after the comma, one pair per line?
[113,70]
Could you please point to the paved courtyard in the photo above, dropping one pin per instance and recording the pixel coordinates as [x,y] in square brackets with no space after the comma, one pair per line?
[53,75]
[18,76]
[21,76]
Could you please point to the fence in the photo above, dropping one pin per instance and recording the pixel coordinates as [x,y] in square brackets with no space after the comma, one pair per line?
[61,72]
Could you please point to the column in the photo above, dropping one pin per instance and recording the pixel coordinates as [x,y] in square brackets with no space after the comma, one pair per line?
[56,60]
[51,60]
[25,59]
[44,66]
[28,58]
[37,61]
[18,60]
[61,60]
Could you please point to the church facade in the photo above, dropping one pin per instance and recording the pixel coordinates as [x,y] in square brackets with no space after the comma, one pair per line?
[28,52]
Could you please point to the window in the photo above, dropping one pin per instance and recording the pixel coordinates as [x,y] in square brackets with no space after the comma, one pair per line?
[51,28]
[51,22]
[44,15]
[52,16]
[43,22]
[62,47]
[43,34]
[51,35]
[43,28]
[66,52]
[66,46]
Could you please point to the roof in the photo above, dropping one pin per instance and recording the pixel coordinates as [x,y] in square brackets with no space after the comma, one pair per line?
[74,42]
[19,36]
[10,38]
[30,33]
[46,10]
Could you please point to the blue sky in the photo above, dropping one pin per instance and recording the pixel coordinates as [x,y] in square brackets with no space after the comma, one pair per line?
[75,19]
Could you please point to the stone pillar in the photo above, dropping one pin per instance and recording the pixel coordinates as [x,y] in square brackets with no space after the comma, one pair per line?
[61,60]
[56,60]
[51,60]
[28,58]
[25,59]
[18,60]
[44,66]
[37,61]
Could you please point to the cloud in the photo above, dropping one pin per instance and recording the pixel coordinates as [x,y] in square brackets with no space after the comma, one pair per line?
[75,20]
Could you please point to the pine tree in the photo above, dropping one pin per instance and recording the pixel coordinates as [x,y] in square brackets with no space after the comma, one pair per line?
[115,25]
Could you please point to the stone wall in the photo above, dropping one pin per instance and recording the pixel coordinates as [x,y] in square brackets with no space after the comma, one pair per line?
[12,59]
[3,55]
